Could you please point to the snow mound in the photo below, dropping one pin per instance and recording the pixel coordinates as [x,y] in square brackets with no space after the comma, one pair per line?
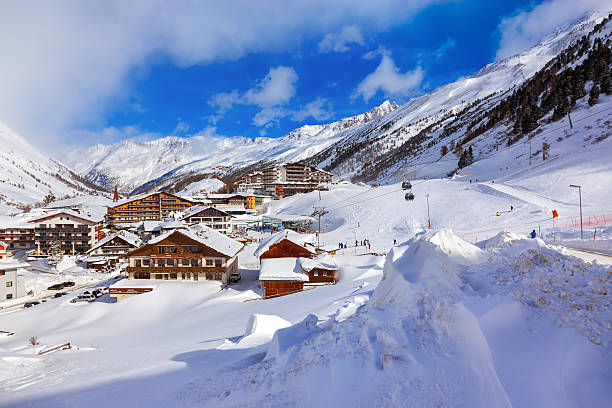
[288,337]
[259,330]
[430,259]
[503,239]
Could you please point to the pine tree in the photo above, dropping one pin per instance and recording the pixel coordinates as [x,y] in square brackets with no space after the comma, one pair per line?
[594,95]
[55,253]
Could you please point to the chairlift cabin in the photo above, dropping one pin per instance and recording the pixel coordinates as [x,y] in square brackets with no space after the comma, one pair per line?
[406,185]
[409,196]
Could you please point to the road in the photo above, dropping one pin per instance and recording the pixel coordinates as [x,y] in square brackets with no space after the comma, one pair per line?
[590,256]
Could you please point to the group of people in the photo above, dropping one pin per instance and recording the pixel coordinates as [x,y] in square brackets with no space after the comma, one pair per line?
[364,242]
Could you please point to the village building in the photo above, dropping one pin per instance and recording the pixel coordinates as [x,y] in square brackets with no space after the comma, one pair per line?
[214,218]
[198,253]
[286,189]
[126,288]
[146,207]
[11,282]
[17,233]
[75,233]
[288,264]
[110,250]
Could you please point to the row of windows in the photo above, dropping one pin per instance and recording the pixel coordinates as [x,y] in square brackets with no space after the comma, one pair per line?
[174,276]
[176,262]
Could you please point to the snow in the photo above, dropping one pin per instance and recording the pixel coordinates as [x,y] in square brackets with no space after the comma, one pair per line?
[205,185]
[207,236]
[469,312]
[282,269]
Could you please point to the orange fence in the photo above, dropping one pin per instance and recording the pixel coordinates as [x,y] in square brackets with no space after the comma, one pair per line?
[587,222]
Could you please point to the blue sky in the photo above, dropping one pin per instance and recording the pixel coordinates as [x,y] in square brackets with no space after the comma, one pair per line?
[106,71]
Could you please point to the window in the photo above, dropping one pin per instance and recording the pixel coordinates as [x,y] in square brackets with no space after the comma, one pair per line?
[195,262]
[195,249]
[161,262]
[142,275]
[324,273]
[195,276]
[158,276]
[9,284]
[185,262]
[209,262]
[173,276]
[183,276]
[169,262]
[146,262]
[218,276]
[218,262]
[209,275]
[9,296]
[316,273]
[138,263]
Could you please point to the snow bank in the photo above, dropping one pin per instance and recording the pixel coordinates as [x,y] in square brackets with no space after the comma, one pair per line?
[288,337]
[504,238]
[430,259]
[259,330]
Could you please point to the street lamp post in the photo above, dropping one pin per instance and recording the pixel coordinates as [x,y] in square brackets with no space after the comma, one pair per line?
[580,198]
[428,218]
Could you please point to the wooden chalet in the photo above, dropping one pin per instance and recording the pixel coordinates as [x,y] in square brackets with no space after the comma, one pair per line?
[146,207]
[111,249]
[199,253]
[287,264]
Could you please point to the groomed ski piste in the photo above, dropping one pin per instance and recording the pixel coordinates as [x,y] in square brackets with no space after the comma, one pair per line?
[469,312]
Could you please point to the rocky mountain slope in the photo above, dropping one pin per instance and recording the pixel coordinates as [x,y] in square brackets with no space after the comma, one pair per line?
[28,176]
[130,163]
[426,136]
[497,106]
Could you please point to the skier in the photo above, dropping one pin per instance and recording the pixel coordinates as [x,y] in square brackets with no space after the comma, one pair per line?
[533,234]
[511,208]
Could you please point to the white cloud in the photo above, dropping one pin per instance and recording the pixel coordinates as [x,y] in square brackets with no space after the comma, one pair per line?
[277,88]
[340,42]
[66,63]
[270,93]
[388,79]
[319,109]
[181,128]
[526,27]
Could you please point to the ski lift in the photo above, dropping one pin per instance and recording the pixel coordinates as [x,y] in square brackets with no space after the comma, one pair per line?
[406,185]
[409,196]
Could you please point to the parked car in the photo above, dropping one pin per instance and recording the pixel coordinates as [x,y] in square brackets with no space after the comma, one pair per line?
[235,277]
[83,298]
[97,292]
[57,286]
[30,304]
[68,284]
[59,294]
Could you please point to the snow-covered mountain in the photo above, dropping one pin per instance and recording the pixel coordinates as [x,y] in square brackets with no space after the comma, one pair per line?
[27,175]
[130,163]
[417,131]
[383,145]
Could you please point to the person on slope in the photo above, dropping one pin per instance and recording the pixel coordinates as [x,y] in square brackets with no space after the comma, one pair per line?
[533,234]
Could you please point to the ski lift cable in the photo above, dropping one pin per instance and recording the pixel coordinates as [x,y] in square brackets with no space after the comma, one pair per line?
[425,164]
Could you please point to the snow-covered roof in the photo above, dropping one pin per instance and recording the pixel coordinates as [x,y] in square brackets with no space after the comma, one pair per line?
[282,269]
[134,283]
[290,235]
[196,209]
[171,224]
[13,265]
[326,262]
[64,212]
[151,226]
[208,237]
[126,236]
